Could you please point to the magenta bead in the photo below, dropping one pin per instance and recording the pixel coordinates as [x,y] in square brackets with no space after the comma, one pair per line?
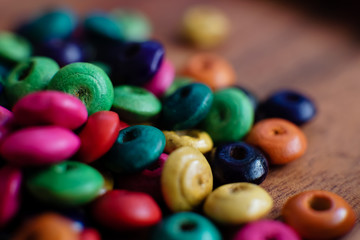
[6,122]
[50,108]
[10,183]
[36,146]
[162,79]
[266,229]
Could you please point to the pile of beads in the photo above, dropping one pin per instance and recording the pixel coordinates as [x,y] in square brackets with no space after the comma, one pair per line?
[102,138]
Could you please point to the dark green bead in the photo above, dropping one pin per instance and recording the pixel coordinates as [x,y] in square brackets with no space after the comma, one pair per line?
[13,48]
[136,148]
[102,26]
[66,184]
[135,104]
[105,67]
[30,76]
[87,82]
[186,225]
[231,116]
[186,107]
[178,83]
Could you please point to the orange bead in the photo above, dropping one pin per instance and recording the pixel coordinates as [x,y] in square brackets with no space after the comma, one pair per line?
[47,226]
[211,70]
[319,215]
[280,139]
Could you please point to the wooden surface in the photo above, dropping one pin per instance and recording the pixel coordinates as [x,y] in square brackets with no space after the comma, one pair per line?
[272,46]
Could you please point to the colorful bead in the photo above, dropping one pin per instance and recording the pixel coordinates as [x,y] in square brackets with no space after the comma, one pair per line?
[101,27]
[178,83]
[186,179]
[238,203]
[162,79]
[13,48]
[7,123]
[253,99]
[90,234]
[211,70]
[319,215]
[66,184]
[186,225]
[108,181]
[88,83]
[280,139]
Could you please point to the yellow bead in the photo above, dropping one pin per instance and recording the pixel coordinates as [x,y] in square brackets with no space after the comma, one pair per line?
[205,26]
[238,203]
[193,138]
[108,181]
[186,179]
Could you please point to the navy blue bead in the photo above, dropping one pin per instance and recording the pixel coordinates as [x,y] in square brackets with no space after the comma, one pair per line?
[239,162]
[253,99]
[290,105]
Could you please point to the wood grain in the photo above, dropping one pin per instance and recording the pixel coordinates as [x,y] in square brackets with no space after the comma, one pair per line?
[272,46]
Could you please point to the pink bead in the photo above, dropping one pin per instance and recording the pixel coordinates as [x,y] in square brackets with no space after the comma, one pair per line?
[266,229]
[162,79]
[36,146]
[6,122]
[10,183]
[50,108]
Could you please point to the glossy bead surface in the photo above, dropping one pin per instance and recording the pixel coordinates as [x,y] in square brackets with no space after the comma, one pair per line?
[280,139]
[178,83]
[186,225]
[192,138]
[37,146]
[7,123]
[186,107]
[87,82]
[238,203]
[136,148]
[319,215]
[66,184]
[50,108]
[126,210]
[162,79]
[135,104]
[239,162]
[14,48]
[211,70]
[266,229]
[101,26]
[186,179]
[231,116]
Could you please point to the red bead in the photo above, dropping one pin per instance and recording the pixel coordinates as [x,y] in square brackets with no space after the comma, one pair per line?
[90,234]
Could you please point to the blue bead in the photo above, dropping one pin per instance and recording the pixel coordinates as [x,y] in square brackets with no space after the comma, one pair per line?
[239,162]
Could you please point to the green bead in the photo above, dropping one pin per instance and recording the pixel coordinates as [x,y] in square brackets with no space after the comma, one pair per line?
[66,184]
[231,116]
[30,76]
[186,225]
[102,26]
[105,67]
[87,82]
[135,104]
[178,83]
[13,48]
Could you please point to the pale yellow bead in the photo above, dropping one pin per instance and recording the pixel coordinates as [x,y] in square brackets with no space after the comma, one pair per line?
[186,179]
[192,138]
[238,203]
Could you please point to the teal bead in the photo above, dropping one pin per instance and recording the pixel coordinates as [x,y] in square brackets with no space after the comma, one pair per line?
[186,107]
[135,104]
[102,26]
[87,82]
[105,67]
[13,48]
[66,184]
[178,83]
[231,116]
[136,148]
[29,76]
[186,225]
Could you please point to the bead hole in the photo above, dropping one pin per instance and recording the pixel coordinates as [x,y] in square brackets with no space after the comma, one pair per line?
[193,134]
[238,153]
[278,131]
[292,97]
[25,71]
[320,203]
[238,188]
[64,168]
[132,50]
[188,226]
[207,64]
[83,94]
[129,136]
[185,92]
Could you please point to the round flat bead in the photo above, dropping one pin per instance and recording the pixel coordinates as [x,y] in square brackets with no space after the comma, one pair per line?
[192,138]
[7,123]
[231,116]
[266,229]
[186,225]
[186,179]
[253,99]
[66,184]
[178,83]
[135,104]
[135,149]
[211,70]
[29,76]
[90,234]
[319,215]
[186,107]
[238,203]
[98,135]
[101,26]
[239,162]
[205,26]
[50,108]
[10,184]
[14,48]
[162,79]
[280,139]
[36,146]
[125,210]
[87,82]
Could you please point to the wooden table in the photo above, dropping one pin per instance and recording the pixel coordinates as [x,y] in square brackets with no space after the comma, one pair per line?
[272,46]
